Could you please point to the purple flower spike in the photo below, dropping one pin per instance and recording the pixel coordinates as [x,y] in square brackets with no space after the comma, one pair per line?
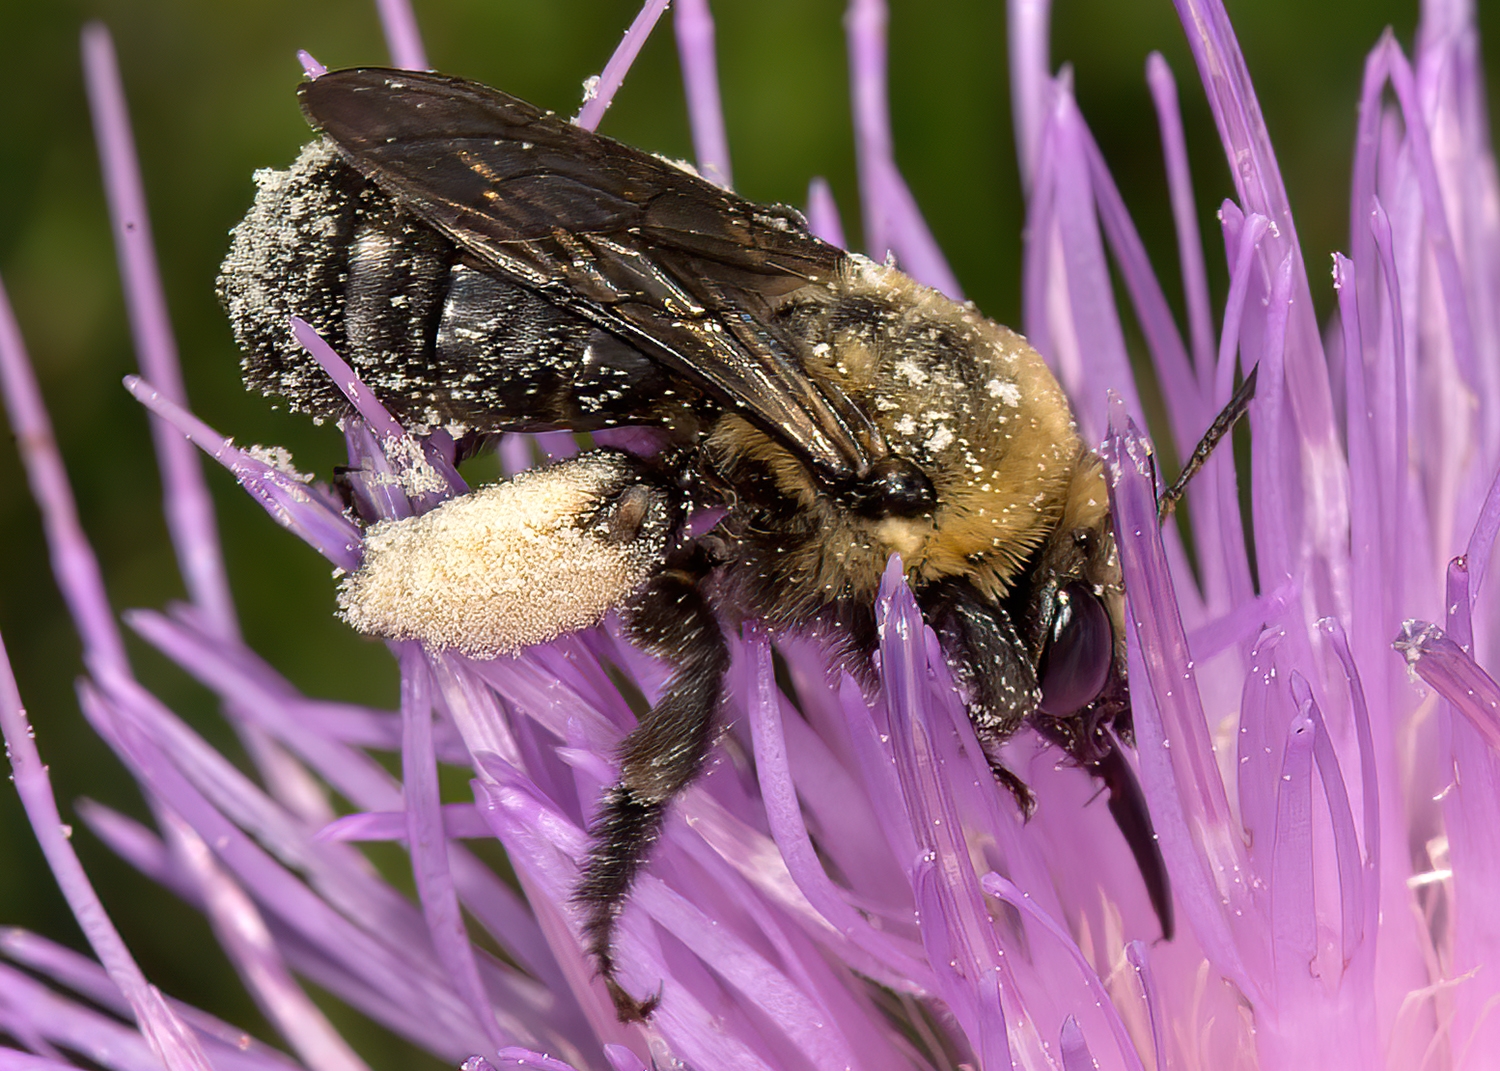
[311,512]
[599,91]
[168,1038]
[1444,665]
[893,222]
[402,37]
[847,887]
[823,213]
[310,66]
[188,510]
[700,82]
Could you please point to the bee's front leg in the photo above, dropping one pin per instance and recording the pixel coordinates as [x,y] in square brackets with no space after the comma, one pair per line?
[670,618]
[988,657]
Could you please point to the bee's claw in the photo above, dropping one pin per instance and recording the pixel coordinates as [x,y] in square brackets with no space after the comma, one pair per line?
[627,1007]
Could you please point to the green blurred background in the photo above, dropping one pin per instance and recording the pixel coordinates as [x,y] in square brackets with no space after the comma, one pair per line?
[211,95]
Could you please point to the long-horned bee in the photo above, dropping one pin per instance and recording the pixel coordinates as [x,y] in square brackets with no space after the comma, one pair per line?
[486,267]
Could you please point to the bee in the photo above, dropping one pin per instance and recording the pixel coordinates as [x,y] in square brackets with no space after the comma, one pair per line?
[486,266]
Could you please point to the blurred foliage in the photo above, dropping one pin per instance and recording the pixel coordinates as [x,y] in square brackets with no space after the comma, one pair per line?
[210,90]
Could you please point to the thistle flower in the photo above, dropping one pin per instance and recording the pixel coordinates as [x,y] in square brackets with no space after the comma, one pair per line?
[847,888]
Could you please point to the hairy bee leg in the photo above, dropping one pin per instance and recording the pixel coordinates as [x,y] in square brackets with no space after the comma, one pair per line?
[986,653]
[670,618]
[1127,804]
[1008,778]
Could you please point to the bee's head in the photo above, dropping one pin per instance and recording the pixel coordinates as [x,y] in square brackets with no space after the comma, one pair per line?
[1075,625]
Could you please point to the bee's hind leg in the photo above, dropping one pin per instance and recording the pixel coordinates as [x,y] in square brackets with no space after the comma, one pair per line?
[670,618]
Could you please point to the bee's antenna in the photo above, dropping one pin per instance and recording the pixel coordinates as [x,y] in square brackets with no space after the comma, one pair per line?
[1223,424]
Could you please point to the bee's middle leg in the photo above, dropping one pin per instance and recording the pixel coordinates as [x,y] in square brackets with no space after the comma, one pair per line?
[670,618]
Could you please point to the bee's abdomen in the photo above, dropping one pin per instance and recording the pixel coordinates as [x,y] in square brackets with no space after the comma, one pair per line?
[439,338]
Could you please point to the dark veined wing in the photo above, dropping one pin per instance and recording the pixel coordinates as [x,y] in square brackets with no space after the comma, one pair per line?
[686,271]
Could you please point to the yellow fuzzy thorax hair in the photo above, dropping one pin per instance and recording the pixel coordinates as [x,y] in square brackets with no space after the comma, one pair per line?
[969,401]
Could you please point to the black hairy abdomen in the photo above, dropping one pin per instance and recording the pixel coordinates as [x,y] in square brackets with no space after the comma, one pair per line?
[440,338]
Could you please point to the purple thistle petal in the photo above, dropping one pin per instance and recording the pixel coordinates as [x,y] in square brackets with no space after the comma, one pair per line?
[545,844]
[1292,914]
[108,1042]
[402,38]
[1367,549]
[1264,713]
[599,92]
[338,875]
[1173,371]
[1140,962]
[622,1059]
[243,935]
[1481,543]
[227,1045]
[956,931]
[1083,338]
[1243,623]
[317,733]
[1369,787]
[189,512]
[347,381]
[1345,841]
[823,213]
[1436,219]
[836,803]
[285,714]
[297,507]
[1394,413]
[787,827]
[310,66]
[1226,566]
[557,445]
[427,843]
[278,705]
[694,27]
[460,821]
[363,931]
[144,851]
[1221,67]
[374,480]
[169,1039]
[996,885]
[864,26]
[73,560]
[1182,785]
[1276,512]
[1184,214]
[893,223]
[1029,25]
[513,1058]
[1073,1048]
[1448,668]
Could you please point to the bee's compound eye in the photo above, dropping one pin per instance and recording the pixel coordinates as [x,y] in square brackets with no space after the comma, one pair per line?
[1080,650]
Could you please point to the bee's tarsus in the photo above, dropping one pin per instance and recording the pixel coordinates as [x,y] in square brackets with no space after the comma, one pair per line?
[1008,779]
[627,1008]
